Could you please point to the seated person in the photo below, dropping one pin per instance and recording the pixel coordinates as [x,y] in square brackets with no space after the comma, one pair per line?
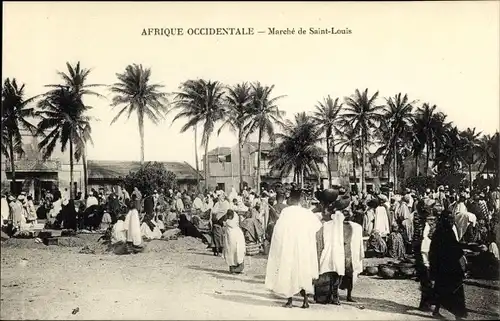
[149,228]
[160,224]
[119,234]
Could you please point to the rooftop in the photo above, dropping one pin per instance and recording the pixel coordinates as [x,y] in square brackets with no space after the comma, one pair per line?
[115,169]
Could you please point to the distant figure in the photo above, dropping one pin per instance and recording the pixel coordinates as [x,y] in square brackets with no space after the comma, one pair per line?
[234,243]
[132,224]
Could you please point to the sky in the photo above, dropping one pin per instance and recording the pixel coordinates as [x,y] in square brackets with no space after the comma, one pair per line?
[443,53]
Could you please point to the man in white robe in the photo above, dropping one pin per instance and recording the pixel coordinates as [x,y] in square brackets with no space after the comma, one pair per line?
[132,224]
[342,251]
[381,222]
[292,264]
[5,210]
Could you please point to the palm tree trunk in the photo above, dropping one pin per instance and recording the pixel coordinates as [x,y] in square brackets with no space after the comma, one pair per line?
[196,158]
[13,188]
[395,168]
[328,160]
[302,178]
[353,156]
[71,168]
[141,133]
[258,160]
[427,161]
[85,173]
[240,147]
[206,165]
[470,176]
[417,169]
[363,187]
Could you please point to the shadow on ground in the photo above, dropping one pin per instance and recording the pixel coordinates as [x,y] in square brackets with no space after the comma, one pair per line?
[224,275]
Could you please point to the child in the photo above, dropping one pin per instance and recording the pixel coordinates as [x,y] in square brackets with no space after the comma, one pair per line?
[233,243]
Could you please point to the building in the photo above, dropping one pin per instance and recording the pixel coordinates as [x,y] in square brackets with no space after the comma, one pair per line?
[107,174]
[344,172]
[223,169]
[33,173]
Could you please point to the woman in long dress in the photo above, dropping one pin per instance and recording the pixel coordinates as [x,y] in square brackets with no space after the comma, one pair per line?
[234,243]
[446,268]
[132,225]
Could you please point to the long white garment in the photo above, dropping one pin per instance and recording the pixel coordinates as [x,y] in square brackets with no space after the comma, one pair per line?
[233,242]
[333,257]
[232,195]
[459,208]
[5,209]
[57,207]
[381,221]
[154,234]
[264,211]
[426,244]
[132,225]
[462,221]
[198,204]
[293,260]
[357,250]
[119,234]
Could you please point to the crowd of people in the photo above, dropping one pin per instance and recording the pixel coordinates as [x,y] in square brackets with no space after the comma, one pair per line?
[316,240]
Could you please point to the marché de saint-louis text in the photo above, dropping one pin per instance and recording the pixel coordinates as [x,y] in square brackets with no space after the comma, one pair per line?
[310,31]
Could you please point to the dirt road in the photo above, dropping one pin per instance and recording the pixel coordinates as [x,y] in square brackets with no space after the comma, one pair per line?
[181,280]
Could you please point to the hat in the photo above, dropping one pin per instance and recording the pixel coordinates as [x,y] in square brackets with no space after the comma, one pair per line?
[21,197]
[11,198]
[441,188]
[219,192]
[341,203]
[23,193]
[155,192]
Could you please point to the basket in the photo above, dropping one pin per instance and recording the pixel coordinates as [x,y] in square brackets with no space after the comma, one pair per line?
[386,271]
[371,270]
[252,249]
[407,272]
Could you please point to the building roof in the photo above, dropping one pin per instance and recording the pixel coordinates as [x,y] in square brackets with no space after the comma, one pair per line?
[220,151]
[98,169]
[264,146]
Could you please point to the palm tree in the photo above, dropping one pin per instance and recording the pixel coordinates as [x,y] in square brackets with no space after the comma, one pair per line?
[200,102]
[399,119]
[62,115]
[471,148]
[76,80]
[135,90]
[238,102]
[347,138]
[325,117]
[263,115]
[364,115]
[297,148]
[430,128]
[15,115]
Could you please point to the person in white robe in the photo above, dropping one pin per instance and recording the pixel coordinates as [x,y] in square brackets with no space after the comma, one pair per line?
[292,264]
[132,224]
[119,233]
[340,244]
[105,221]
[233,243]
[16,213]
[462,222]
[198,204]
[232,195]
[5,209]
[381,222]
[460,206]
[91,200]
[369,218]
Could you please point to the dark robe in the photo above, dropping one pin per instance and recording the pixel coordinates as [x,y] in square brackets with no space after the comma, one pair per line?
[447,271]
[69,216]
[149,205]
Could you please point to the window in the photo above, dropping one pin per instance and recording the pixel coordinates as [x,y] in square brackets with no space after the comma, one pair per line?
[369,188]
[228,159]
[221,186]
[244,164]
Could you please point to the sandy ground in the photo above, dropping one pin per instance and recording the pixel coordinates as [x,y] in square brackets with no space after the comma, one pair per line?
[180,279]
